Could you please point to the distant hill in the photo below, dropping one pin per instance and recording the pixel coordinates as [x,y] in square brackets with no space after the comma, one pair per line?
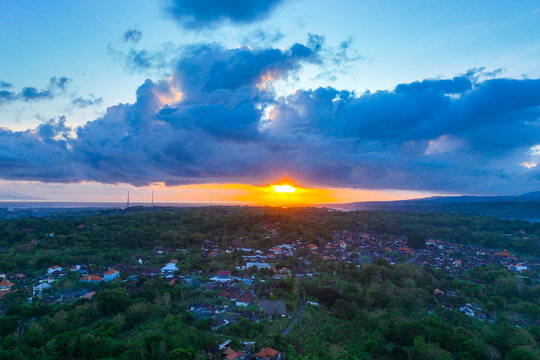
[523,207]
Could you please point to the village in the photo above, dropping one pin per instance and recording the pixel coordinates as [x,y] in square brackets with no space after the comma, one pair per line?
[241,290]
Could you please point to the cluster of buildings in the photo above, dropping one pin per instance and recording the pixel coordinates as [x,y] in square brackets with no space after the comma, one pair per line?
[237,286]
[247,352]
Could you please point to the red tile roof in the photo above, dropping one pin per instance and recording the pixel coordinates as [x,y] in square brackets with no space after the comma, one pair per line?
[504,253]
[246,298]
[6,283]
[235,355]
[92,278]
[267,353]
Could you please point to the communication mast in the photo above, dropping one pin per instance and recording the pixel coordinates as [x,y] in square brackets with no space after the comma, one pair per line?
[152,198]
[127,204]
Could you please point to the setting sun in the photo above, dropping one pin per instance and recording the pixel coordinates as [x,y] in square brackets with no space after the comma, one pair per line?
[284,188]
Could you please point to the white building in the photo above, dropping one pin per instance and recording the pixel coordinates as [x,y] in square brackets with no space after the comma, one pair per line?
[54,268]
[37,290]
[222,276]
[258,265]
[169,268]
[111,275]
[466,310]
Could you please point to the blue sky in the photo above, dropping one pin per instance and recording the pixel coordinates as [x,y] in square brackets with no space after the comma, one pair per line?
[364,45]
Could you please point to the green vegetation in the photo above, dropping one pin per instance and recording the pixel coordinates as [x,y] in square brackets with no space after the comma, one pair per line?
[372,310]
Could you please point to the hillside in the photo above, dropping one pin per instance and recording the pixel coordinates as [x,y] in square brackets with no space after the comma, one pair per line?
[522,207]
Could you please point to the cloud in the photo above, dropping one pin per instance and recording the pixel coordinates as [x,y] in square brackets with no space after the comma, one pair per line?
[132,35]
[5,85]
[444,143]
[339,60]
[59,83]
[56,86]
[81,102]
[210,13]
[216,118]
[7,96]
[263,37]
[209,67]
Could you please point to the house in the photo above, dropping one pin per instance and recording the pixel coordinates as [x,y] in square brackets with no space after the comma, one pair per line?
[228,350]
[312,247]
[111,275]
[303,273]
[217,323]
[222,276]
[268,354]
[5,284]
[203,310]
[19,276]
[213,253]
[236,355]
[54,268]
[438,292]
[94,279]
[502,254]
[245,299]
[404,251]
[169,268]
[521,267]
[258,265]
[271,308]
[466,310]
[282,273]
[37,290]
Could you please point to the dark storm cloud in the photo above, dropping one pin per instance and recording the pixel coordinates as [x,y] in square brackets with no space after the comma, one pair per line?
[210,67]
[132,35]
[209,13]
[213,120]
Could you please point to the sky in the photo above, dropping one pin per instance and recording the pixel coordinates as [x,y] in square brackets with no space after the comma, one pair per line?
[212,100]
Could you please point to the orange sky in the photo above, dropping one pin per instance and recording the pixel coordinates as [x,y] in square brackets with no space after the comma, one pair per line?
[202,193]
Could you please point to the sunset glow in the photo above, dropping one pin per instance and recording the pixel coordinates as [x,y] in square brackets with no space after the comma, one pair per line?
[280,194]
[284,188]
